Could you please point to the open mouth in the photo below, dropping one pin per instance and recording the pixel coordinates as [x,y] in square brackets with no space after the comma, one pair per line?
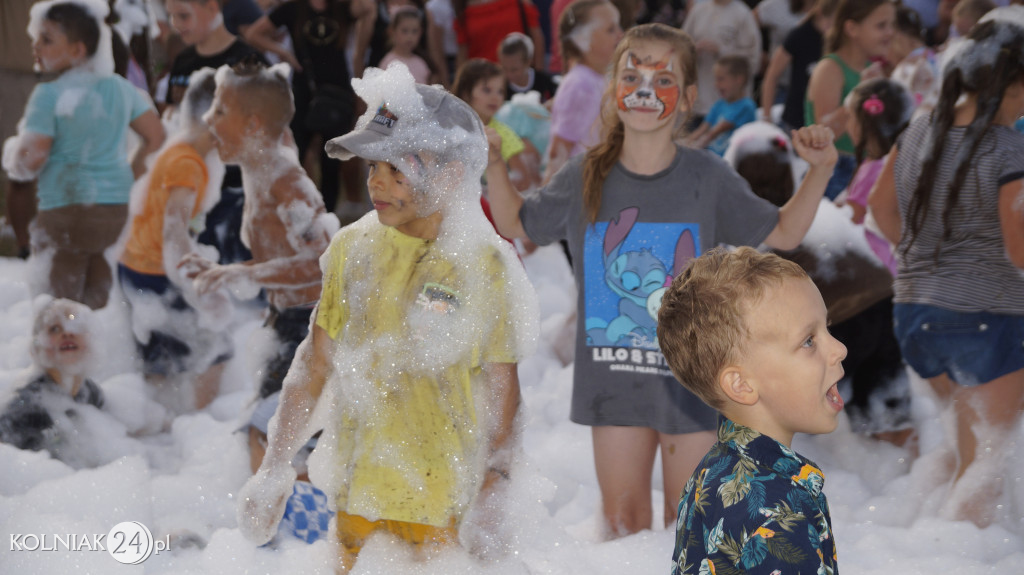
[834,399]
[68,346]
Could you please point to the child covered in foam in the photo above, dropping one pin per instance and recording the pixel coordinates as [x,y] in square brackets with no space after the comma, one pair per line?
[410,365]
[284,223]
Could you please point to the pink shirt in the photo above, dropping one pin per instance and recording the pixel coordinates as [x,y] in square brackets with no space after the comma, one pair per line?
[416,65]
[857,193]
[576,111]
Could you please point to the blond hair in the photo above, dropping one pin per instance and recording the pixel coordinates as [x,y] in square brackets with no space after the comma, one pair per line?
[601,158]
[701,322]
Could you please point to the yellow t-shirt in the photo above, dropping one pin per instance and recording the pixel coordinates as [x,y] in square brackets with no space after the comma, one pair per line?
[179,166]
[511,143]
[408,450]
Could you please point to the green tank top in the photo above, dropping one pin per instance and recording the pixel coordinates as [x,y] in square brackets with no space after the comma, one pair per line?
[851,78]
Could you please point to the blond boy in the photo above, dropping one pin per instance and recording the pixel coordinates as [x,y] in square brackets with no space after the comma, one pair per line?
[746,332]
[284,223]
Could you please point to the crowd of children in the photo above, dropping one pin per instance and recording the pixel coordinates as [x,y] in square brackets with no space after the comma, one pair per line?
[885,199]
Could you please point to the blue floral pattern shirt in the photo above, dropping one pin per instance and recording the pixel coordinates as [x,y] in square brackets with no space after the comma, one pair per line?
[753,506]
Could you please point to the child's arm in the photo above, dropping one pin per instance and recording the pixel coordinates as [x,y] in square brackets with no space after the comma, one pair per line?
[261,36]
[776,66]
[503,196]
[503,384]
[709,136]
[1011,219]
[813,144]
[825,91]
[695,137]
[882,202]
[151,131]
[262,500]
[25,155]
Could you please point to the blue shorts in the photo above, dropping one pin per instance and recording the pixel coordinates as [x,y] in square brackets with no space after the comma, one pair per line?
[972,348]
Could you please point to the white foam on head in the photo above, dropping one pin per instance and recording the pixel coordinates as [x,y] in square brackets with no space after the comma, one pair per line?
[759,137]
[102,62]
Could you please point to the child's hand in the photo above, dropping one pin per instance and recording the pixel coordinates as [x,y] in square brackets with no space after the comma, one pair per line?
[194,264]
[262,501]
[815,145]
[232,277]
[494,143]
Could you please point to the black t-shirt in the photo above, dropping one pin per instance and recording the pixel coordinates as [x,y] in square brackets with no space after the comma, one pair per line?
[238,13]
[542,82]
[25,420]
[804,43]
[189,61]
[318,38]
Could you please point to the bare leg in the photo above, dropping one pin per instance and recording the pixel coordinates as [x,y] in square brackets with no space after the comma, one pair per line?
[21,208]
[208,385]
[680,455]
[624,457]
[984,415]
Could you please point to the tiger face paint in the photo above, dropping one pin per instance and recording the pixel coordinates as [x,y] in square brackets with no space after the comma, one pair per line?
[648,85]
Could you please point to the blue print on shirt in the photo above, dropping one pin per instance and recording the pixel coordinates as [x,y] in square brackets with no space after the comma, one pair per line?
[627,266]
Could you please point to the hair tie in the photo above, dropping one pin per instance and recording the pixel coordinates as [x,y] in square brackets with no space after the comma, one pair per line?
[780,143]
[873,105]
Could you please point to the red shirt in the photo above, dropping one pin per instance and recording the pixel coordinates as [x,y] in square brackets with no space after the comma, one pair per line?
[484,26]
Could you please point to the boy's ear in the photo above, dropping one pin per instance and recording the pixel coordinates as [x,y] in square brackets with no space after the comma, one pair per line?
[78,51]
[734,384]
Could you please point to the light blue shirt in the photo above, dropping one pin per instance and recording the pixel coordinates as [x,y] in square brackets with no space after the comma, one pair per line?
[87,116]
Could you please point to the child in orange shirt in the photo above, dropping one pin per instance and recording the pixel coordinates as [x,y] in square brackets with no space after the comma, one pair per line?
[189,341]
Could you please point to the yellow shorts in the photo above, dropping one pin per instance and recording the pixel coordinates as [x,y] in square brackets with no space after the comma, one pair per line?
[354,529]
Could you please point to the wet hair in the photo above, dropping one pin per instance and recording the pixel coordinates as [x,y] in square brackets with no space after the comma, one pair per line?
[735,65]
[882,108]
[202,85]
[268,94]
[603,156]
[908,22]
[574,16]
[406,13]
[769,172]
[990,60]
[517,44]
[702,321]
[849,11]
[77,24]
[471,73]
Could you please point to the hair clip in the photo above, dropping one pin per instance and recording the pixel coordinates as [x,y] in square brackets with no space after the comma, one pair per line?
[780,143]
[873,105]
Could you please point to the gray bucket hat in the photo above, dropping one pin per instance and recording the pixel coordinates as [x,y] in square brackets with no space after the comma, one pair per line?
[405,126]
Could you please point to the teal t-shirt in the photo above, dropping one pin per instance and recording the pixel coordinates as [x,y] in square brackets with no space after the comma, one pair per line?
[87,116]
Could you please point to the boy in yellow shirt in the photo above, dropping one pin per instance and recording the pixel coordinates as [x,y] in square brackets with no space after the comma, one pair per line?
[410,365]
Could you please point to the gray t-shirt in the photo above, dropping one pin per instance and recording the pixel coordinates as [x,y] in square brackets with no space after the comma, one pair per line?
[972,272]
[647,230]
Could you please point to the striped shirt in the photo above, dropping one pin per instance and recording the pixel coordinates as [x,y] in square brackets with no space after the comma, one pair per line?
[972,272]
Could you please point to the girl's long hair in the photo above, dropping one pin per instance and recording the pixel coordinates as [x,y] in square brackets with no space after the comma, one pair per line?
[849,10]
[991,60]
[600,159]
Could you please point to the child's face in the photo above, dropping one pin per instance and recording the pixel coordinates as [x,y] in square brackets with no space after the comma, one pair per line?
[487,97]
[406,35]
[963,22]
[53,51]
[228,122]
[516,68]
[874,33]
[605,36]
[393,198]
[792,361]
[61,346]
[649,87]
[193,21]
[730,86]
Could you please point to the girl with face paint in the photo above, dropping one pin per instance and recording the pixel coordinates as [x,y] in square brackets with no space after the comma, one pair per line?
[634,210]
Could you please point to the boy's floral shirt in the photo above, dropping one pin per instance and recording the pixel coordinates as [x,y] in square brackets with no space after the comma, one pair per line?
[753,506]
